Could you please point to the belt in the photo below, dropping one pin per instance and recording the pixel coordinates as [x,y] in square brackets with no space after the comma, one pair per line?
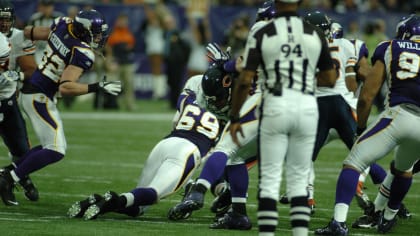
[29,88]
[413,109]
[277,90]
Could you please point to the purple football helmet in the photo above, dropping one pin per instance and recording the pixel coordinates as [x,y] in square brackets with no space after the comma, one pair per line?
[90,26]
[402,26]
[336,30]
[410,28]
[266,11]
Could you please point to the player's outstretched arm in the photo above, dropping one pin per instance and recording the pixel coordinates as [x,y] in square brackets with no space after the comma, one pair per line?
[36,32]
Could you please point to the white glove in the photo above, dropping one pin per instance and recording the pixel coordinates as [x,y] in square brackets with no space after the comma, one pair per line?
[112,87]
[12,75]
[215,53]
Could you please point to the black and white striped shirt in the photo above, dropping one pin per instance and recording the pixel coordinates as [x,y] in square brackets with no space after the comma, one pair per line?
[289,52]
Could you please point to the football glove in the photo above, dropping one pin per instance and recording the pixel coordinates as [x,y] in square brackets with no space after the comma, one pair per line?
[216,54]
[10,76]
[111,87]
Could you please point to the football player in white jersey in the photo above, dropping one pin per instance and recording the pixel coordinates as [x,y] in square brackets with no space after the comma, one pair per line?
[228,153]
[337,105]
[165,171]
[12,124]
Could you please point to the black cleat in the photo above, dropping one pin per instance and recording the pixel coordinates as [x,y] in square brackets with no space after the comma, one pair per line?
[333,228]
[403,212]
[78,208]
[365,204]
[232,220]
[192,202]
[384,225]
[108,203]
[30,191]
[367,221]
[222,203]
[6,188]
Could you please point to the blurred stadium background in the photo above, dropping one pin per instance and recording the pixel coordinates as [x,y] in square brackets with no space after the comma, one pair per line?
[227,21]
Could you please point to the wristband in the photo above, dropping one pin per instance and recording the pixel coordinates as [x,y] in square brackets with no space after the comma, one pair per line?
[234,119]
[351,74]
[93,87]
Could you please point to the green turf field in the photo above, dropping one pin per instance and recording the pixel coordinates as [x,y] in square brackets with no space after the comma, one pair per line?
[106,151]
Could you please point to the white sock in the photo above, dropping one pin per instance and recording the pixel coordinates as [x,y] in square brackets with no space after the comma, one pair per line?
[14,176]
[130,199]
[204,182]
[340,212]
[383,195]
[389,213]
[300,231]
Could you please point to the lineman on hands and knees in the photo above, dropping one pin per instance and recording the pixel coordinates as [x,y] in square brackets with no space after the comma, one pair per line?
[228,160]
[69,53]
[165,171]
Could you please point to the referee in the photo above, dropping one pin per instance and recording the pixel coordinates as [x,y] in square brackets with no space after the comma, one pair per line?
[289,52]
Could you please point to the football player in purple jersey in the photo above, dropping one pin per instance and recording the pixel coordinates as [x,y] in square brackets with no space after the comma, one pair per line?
[397,62]
[371,217]
[228,158]
[69,52]
[165,171]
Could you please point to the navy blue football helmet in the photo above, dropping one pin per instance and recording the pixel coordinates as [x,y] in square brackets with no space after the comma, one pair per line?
[401,27]
[7,16]
[321,20]
[336,31]
[217,85]
[90,26]
[411,28]
[266,11]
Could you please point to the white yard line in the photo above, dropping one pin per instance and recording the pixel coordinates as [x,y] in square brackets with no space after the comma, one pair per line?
[117,116]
